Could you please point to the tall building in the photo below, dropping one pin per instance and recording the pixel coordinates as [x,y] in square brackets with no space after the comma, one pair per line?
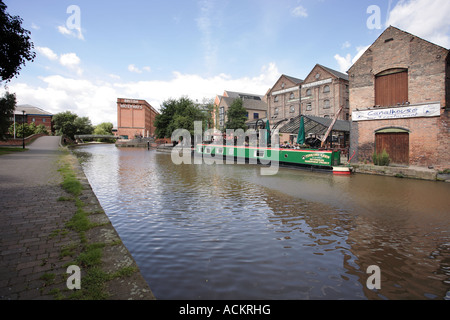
[324,91]
[283,99]
[400,101]
[135,118]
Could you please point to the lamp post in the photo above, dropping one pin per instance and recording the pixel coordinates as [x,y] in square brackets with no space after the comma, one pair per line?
[23,129]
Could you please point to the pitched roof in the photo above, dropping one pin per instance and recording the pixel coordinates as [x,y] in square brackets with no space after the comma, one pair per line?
[335,73]
[293,79]
[31,110]
[249,104]
[388,29]
[313,124]
[234,95]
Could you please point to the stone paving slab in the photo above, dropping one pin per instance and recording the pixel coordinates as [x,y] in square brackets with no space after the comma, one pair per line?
[32,233]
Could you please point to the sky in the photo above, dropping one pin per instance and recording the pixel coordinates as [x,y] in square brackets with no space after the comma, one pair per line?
[89,53]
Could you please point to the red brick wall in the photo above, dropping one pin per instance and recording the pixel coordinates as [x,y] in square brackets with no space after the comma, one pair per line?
[427,82]
[135,120]
[19,141]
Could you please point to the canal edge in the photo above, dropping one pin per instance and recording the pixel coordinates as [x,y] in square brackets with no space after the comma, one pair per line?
[117,256]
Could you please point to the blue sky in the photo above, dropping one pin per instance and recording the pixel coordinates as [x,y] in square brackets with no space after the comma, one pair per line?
[156,50]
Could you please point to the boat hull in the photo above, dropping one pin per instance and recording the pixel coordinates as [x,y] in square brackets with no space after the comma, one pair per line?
[303,157]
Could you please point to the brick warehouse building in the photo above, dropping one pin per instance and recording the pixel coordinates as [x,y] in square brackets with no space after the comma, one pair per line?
[135,118]
[399,99]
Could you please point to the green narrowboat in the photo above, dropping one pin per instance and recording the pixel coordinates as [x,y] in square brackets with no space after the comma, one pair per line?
[325,159]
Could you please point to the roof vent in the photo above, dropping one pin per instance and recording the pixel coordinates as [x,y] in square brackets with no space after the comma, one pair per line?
[388,40]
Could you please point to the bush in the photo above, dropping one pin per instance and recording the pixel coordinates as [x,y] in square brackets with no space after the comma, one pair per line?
[381,159]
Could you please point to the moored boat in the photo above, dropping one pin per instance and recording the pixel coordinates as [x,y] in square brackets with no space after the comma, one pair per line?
[324,159]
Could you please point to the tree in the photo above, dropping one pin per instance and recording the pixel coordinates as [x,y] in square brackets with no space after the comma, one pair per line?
[69,124]
[7,107]
[104,129]
[236,116]
[178,114]
[15,46]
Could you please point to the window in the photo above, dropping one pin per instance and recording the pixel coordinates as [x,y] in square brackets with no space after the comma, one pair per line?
[275,99]
[292,96]
[43,120]
[246,115]
[256,116]
[34,120]
[326,104]
[308,93]
[276,111]
[391,87]
[292,109]
[309,106]
[326,89]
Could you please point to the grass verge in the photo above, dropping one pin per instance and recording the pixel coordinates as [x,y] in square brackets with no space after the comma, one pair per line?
[88,256]
[8,150]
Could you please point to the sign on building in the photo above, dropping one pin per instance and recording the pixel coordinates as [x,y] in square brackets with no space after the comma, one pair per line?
[417,111]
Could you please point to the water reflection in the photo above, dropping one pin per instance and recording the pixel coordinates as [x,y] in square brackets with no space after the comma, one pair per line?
[226,232]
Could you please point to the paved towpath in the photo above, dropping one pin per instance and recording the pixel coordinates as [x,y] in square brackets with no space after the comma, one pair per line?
[33,233]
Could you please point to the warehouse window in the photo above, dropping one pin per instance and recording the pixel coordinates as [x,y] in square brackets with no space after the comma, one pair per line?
[391,87]
[326,89]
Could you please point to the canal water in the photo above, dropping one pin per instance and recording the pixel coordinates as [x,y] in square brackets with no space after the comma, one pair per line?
[228,232]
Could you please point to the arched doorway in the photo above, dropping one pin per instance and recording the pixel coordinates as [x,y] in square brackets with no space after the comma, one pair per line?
[396,143]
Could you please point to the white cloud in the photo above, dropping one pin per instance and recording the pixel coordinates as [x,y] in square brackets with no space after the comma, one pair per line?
[97,100]
[47,52]
[300,12]
[133,68]
[35,26]
[346,62]
[65,31]
[424,18]
[71,61]
[346,45]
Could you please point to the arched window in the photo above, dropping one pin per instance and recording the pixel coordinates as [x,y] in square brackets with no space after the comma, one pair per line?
[308,93]
[326,89]
[326,104]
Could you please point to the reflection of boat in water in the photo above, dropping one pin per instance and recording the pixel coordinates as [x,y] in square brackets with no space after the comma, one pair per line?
[312,158]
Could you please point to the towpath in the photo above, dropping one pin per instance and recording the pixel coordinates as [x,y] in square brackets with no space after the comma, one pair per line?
[33,236]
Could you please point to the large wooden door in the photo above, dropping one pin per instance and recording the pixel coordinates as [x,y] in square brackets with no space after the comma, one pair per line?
[395,144]
[391,89]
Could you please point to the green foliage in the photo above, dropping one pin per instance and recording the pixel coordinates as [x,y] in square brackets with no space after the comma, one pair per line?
[381,159]
[16,46]
[178,114]
[70,124]
[104,129]
[7,107]
[236,116]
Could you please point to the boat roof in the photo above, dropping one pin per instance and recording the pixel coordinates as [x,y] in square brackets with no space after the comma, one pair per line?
[315,125]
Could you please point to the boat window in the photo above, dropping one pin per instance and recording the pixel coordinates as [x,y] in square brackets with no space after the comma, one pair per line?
[219,151]
[208,150]
[231,151]
[259,153]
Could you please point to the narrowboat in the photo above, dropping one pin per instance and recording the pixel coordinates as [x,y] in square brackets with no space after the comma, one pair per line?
[329,160]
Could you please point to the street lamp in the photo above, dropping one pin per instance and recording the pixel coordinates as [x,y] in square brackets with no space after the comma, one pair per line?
[23,129]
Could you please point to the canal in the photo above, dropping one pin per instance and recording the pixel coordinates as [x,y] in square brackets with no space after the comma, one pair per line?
[228,232]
